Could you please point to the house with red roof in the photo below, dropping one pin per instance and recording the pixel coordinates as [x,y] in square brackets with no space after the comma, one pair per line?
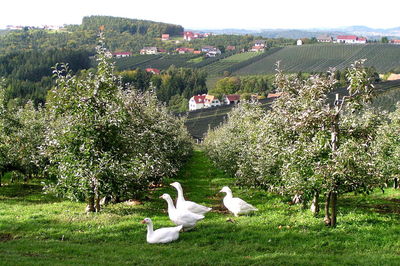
[351,39]
[153,71]
[164,37]
[232,99]
[395,41]
[197,102]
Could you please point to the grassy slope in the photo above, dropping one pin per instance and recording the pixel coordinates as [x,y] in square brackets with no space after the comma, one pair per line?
[320,57]
[40,229]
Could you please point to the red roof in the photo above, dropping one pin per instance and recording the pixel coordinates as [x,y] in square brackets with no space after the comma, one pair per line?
[274,95]
[199,98]
[347,37]
[153,70]
[395,41]
[233,97]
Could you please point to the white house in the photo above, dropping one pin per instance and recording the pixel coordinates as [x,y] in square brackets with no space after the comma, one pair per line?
[351,39]
[324,38]
[149,50]
[196,102]
[121,54]
[299,42]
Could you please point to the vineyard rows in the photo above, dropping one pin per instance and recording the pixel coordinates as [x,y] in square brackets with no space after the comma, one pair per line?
[319,58]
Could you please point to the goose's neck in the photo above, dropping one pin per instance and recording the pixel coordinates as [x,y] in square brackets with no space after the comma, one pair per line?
[149,229]
[180,194]
[229,195]
[171,206]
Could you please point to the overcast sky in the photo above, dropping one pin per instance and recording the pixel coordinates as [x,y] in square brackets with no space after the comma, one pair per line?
[209,14]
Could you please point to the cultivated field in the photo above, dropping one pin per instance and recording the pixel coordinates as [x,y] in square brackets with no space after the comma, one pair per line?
[320,57]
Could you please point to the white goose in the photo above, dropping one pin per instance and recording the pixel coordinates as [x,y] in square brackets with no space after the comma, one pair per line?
[191,206]
[236,205]
[162,235]
[179,216]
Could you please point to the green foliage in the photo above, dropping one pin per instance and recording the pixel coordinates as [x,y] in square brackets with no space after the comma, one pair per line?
[21,136]
[104,140]
[132,26]
[28,72]
[387,146]
[289,149]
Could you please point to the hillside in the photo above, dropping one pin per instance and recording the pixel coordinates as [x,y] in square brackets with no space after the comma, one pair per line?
[198,122]
[320,57]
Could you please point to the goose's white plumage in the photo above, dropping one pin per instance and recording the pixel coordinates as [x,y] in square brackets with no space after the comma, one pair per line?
[180,216]
[161,235]
[182,204]
[236,205]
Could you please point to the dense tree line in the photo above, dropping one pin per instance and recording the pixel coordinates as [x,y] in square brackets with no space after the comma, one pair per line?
[28,73]
[132,26]
[244,85]
[307,144]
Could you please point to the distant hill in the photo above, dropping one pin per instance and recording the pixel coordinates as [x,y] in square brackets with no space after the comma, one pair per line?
[371,33]
[132,26]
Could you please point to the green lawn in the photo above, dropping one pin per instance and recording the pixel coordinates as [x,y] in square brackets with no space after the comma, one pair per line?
[36,228]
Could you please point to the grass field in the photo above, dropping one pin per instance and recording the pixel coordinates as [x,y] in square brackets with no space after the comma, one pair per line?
[319,58]
[40,229]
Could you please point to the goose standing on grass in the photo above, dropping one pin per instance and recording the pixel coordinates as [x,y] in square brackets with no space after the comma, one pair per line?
[182,204]
[179,216]
[162,235]
[236,205]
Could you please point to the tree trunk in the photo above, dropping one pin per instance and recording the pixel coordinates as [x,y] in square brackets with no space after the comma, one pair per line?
[327,218]
[90,207]
[315,204]
[395,183]
[333,208]
[96,196]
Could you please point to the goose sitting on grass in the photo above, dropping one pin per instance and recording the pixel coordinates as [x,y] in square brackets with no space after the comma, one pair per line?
[162,235]
[236,205]
[180,216]
[182,204]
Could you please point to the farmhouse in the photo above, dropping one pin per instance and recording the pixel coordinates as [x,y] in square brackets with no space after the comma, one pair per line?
[299,42]
[324,38]
[232,99]
[197,102]
[395,41]
[231,48]
[351,39]
[121,54]
[149,50]
[207,48]
[164,37]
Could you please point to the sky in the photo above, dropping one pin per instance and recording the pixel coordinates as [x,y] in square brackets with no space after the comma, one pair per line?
[210,14]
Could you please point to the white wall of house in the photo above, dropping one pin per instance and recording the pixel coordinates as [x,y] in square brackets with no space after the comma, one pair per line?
[194,106]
